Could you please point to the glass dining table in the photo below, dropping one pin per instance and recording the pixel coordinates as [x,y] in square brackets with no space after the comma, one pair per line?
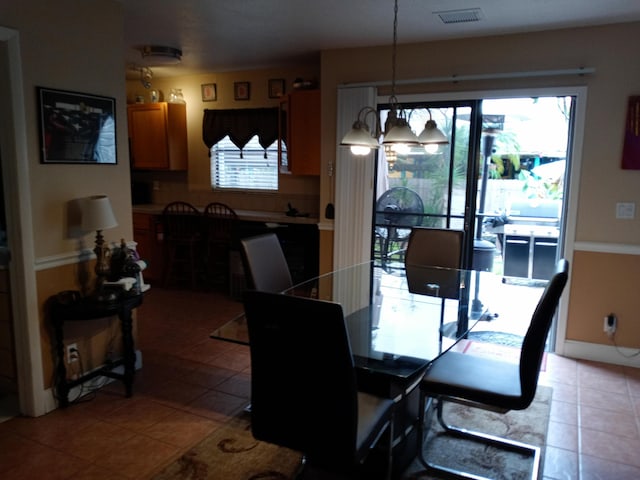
[399,320]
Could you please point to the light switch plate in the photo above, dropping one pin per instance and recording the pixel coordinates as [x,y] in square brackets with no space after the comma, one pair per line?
[625,210]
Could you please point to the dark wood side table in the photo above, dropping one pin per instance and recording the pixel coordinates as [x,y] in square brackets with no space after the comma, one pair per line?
[89,309]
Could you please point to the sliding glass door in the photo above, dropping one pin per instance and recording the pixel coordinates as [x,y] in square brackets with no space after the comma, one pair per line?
[424,186]
[503,179]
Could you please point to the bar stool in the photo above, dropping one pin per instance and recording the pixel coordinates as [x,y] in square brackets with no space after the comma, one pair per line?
[182,228]
[220,225]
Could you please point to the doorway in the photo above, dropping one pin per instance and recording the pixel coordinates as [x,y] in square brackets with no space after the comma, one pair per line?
[9,404]
[503,179]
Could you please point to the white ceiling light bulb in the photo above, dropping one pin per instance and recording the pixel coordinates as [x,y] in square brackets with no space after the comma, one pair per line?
[431,148]
[360,150]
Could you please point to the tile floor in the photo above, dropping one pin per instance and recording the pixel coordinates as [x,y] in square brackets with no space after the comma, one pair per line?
[190,384]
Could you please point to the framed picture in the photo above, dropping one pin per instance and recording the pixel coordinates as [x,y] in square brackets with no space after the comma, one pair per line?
[276,87]
[209,92]
[241,90]
[76,127]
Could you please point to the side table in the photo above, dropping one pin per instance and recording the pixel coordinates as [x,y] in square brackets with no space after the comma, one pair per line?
[85,309]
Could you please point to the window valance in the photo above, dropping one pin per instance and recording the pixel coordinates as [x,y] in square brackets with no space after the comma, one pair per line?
[241,125]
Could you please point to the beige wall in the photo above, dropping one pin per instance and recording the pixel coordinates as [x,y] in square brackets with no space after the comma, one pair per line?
[612,51]
[612,290]
[77,46]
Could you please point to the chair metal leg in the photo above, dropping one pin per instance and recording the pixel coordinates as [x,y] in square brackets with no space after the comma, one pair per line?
[485,438]
[299,473]
[390,448]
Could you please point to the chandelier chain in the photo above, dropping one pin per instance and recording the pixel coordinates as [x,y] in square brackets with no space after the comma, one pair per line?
[393,52]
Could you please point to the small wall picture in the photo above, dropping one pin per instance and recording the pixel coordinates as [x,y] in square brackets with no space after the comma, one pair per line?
[76,127]
[241,90]
[276,87]
[209,92]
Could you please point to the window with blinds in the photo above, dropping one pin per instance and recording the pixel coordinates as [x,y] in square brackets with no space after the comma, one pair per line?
[252,168]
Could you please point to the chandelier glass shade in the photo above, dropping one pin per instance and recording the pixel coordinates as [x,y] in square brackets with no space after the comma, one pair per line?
[361,138]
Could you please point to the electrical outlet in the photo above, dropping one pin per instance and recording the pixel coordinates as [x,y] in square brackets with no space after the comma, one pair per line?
[72,353]
[610,324]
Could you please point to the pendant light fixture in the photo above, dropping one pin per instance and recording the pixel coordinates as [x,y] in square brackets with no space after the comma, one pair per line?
[396,128]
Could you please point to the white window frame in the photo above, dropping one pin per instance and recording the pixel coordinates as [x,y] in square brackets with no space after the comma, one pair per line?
[226,157]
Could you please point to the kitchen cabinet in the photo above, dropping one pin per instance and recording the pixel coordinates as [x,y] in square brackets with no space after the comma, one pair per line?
[158,136]
[299,133]
[147,233]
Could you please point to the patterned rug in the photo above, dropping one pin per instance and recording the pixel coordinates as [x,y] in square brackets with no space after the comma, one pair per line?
[231,453]
[528,426]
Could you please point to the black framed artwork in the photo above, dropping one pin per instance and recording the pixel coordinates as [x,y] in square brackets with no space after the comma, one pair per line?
[77,128]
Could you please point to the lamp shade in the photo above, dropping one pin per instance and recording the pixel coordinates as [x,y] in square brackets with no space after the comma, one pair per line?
[97,213]
[432,134]
[359,136]
[400,134]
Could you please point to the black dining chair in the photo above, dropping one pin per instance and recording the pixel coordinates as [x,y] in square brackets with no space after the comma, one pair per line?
[265,264]
[492,384]
[304,394]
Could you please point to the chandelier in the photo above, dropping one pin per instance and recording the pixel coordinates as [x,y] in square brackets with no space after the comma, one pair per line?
[396,127]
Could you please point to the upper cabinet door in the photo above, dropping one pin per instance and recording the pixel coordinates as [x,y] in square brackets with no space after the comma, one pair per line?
[300,119]
[158,136]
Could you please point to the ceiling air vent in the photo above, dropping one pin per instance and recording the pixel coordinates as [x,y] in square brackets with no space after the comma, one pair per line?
[460,16]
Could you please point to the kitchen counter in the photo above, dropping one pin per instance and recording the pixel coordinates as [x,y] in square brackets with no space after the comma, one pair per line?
[246,215]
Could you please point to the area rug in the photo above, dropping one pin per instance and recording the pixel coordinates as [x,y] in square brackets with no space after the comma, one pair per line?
[528,426]
[231,453]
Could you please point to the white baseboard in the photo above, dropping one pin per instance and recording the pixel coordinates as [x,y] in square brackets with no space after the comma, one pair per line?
[50,400]
[596,352]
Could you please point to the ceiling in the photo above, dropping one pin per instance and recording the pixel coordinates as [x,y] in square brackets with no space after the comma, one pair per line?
[232,35]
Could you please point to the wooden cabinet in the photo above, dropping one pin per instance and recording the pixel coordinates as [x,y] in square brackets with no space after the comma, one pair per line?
[158,136]
[299,125]
[147,233]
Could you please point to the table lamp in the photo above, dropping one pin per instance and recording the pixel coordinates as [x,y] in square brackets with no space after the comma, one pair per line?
[97,215]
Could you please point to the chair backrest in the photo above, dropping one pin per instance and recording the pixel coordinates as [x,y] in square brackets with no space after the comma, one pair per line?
[181,221]
[533,346]
[265,263]
[437,247]
[303,381]
[434,247]
[220,222]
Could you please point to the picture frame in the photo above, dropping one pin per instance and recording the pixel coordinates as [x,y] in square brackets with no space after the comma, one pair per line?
[276,87]
[76,128]
[209,92]
[241,90]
